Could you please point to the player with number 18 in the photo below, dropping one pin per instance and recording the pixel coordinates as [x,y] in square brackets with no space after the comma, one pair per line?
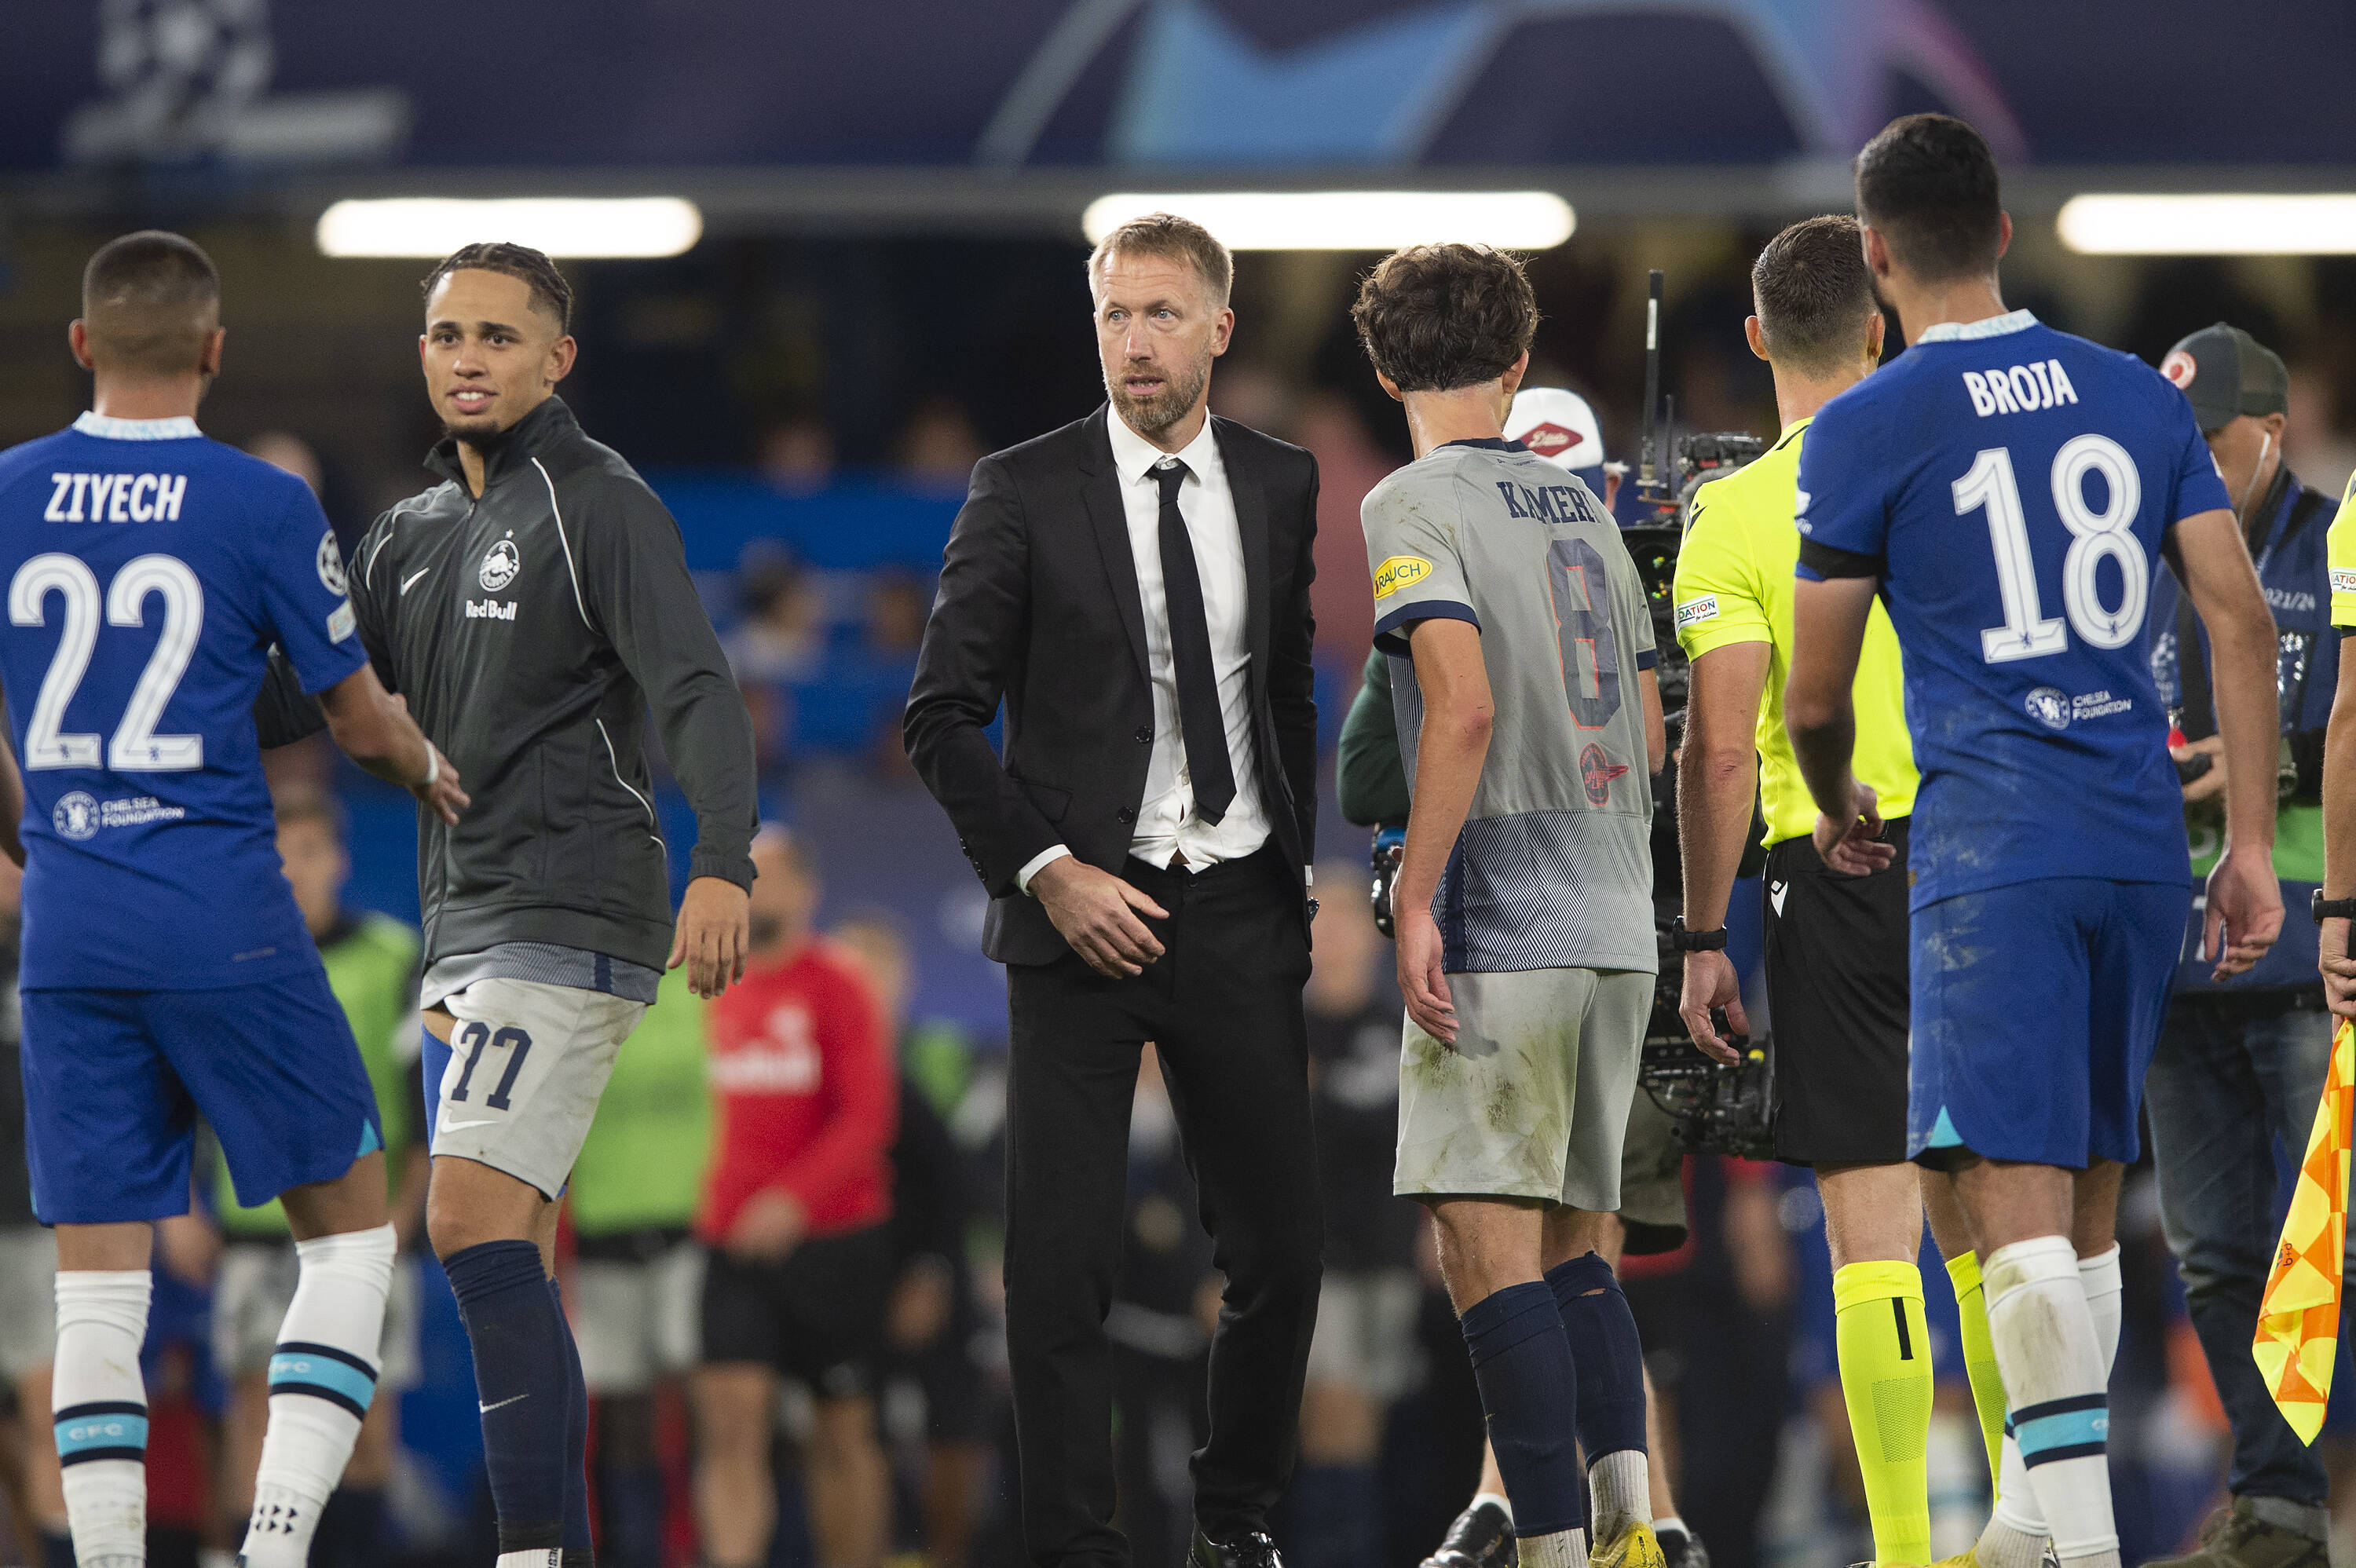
[2008,490]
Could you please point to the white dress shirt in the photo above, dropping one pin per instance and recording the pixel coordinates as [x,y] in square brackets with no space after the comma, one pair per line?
[1167,823]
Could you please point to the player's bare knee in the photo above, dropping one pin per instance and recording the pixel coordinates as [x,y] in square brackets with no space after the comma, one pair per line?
[1574,1233]
[113,1248]
[2095,1207]
[352,1201]
[468,1204]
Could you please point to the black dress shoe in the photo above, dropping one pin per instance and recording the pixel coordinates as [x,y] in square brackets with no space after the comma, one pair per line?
[1482,1537]
[1683,1549]
[1252,1549]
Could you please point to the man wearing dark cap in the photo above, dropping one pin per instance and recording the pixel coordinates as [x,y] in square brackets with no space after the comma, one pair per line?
[2243,1061]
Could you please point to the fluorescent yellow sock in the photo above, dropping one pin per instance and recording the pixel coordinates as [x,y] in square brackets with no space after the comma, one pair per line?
[1884,1345]
[1979,1359]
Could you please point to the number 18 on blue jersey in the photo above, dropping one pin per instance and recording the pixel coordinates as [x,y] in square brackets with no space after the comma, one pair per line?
[2011,486]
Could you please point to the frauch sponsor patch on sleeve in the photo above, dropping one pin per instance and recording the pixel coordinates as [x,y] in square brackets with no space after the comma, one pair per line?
[1399,571]
[342,624]
[1694,610]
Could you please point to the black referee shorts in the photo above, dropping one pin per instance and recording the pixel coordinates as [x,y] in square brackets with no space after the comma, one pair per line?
[1836,992]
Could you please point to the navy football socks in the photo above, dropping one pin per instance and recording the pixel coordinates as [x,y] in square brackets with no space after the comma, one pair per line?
[577,1538]
[1529,1389]
[1605,1347]
[520,1382]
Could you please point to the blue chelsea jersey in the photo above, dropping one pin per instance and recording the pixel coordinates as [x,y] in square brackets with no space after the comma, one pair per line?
[2012,486]
[149,571]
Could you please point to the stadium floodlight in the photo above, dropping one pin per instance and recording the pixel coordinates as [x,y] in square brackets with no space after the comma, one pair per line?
[433,225]
[2223,224]
[1351,219]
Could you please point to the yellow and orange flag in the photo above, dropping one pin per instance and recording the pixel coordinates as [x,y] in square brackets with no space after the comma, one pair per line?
[2298,1320]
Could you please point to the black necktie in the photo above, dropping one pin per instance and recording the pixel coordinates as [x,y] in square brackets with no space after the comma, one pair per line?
[1200,721]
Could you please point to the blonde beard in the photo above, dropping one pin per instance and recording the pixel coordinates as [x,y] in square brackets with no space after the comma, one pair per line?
[1135,414]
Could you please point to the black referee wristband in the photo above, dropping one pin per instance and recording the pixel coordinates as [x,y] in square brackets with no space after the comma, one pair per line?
[1686,940]
[2325,909]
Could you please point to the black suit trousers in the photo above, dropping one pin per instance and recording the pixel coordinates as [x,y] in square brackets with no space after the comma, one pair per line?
[1222,1005]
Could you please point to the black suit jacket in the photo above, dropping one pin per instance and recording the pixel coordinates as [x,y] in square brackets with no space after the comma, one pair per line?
[1039,606]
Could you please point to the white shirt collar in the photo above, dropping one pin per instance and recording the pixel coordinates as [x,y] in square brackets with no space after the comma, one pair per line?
[106,425]
[1992,326]
[1133,455]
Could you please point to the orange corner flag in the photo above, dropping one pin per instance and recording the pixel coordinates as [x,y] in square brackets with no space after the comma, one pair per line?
[2298,1320]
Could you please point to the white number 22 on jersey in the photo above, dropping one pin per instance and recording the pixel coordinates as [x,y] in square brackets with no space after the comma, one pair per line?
[2027,631]
[136,748]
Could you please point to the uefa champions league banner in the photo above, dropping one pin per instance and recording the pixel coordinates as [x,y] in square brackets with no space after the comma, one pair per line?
[1192,83]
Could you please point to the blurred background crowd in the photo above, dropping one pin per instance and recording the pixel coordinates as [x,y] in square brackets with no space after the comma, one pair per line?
[889,285]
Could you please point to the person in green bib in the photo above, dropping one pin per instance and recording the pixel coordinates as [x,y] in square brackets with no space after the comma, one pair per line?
[372,963]
[638,1285]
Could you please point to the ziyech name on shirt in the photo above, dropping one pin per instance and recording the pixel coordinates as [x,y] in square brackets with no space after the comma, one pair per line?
[116,497]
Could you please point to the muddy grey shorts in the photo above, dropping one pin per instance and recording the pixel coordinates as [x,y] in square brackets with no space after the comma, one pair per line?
[1366,1331]
[1532,1100]
[638,1317]
[29,1303]
[526,1063]
[1652,1180]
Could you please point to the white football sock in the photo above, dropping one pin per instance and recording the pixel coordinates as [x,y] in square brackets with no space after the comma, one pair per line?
[101,1408]
[2051,1355]
[2017,1507]
[1621,1491]
[1563,1548]
[2106,1299]
[321,1378]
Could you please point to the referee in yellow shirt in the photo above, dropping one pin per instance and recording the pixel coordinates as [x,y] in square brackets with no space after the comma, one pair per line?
[1836,942]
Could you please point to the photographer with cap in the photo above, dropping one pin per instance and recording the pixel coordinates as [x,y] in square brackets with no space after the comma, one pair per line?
[2241,1061]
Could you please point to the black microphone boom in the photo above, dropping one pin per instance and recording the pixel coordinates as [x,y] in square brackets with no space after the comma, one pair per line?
[1648,467]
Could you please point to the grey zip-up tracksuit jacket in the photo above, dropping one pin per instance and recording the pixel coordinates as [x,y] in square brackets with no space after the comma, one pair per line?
[529,630]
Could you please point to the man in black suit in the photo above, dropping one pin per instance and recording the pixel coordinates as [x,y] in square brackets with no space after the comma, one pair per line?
[1135,587]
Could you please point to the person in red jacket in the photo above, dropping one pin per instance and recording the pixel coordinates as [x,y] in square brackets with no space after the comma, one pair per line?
[795,1216]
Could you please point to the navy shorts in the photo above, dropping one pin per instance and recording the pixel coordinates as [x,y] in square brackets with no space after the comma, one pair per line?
[115,1082]
[2037,1007]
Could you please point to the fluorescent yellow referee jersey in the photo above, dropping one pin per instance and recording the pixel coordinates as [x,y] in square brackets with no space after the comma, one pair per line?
[2339,553]
[1734,585]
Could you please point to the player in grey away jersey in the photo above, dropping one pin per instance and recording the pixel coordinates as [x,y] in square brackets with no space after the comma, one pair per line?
[1530,722]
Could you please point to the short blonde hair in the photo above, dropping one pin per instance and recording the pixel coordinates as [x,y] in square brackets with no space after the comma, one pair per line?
[1172,238]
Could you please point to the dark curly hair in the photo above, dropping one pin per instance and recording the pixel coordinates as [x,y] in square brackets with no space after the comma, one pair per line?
[1437,317]
[549,289]
[1928,183]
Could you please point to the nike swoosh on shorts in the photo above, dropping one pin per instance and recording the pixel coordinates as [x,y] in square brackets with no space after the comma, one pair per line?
[487,1409]
[450,1126]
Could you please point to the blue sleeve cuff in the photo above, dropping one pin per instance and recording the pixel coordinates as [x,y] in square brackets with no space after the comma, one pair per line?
[1391,640]
[1649,659]
[338,663]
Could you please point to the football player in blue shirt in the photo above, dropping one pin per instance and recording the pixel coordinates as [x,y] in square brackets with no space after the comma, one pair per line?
[166,971]
[2009,490]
